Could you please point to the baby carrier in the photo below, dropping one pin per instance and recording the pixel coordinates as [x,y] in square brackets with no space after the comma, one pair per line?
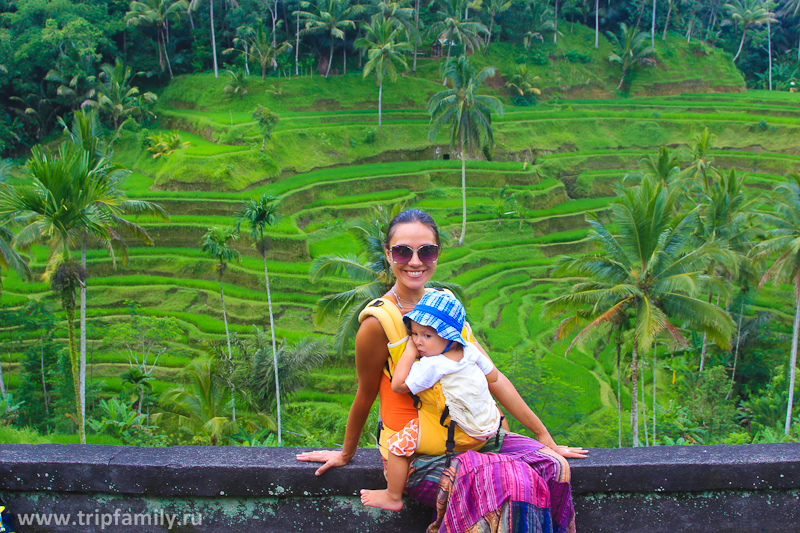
[438,434]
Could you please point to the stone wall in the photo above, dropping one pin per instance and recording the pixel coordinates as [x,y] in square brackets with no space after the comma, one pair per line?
[679,488]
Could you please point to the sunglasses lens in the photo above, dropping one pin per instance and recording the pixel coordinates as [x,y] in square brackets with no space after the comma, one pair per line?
[402,253]
[428,253]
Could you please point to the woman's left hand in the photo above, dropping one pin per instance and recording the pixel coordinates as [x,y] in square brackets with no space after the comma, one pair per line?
[572,453]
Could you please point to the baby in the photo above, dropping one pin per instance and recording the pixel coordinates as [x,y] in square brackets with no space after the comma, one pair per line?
[435,326]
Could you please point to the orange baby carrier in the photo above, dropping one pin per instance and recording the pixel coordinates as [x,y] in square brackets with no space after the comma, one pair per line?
[438,434]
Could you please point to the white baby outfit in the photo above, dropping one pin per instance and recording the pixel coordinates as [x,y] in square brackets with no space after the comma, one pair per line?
[465,389]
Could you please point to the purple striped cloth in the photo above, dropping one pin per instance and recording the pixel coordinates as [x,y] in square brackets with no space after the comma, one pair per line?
[522,487]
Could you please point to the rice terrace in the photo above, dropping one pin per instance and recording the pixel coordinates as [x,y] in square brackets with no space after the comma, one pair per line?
[571,141]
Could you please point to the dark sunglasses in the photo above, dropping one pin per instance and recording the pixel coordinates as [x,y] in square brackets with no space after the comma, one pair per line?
[402,253]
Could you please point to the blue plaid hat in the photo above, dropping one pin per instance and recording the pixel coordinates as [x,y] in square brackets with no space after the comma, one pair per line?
[442,312]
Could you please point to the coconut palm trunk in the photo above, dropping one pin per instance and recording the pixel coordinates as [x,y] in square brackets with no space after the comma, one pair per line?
[44,382]
[330,59]
[644,409]
[597,24]
[619,392]
[416,36]
[83,333]
[634,393]
[555,24]
[2,384]
[736,352]
[213,38]
[793,362]
[380,96]
[489,37]
[705,345]
[655,361]
[769,51]
[741,44]
[274,350]
[297,48]
[73,350]
[653,27]
[463,198]
[228,338]
[666,23]
[622,79]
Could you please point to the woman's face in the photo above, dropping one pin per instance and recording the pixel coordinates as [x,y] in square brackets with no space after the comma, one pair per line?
[415,273]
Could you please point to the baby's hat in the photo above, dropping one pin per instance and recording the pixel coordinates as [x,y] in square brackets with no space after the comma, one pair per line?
[442,312]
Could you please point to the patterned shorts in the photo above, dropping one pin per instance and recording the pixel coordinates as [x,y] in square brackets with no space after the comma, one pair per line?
[404,442]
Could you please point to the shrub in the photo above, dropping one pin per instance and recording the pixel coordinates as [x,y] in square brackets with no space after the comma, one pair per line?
[576,56]
[164,144]
[369,135]
[524,101]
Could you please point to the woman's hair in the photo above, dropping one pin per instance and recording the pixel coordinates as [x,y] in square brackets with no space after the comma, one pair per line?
[408,216]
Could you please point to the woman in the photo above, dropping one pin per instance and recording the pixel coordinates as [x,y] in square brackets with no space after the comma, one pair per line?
[529,463]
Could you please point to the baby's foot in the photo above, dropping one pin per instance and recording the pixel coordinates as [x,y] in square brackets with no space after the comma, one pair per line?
[381,499]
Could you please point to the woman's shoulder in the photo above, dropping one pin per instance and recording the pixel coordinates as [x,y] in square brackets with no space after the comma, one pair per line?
[372,330]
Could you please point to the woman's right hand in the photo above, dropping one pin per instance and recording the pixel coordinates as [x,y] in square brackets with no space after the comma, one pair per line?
[330,458]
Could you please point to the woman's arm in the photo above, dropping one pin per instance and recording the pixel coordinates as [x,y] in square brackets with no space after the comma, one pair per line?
[403,367]
[371,356]
[505,393]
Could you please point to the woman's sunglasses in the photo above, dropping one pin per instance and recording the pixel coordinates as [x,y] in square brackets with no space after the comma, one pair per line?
[402,253]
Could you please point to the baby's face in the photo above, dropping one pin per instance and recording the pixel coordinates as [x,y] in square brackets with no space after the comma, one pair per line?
[427,341]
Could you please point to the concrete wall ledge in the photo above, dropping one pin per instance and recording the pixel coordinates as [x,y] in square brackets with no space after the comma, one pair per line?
[676,488]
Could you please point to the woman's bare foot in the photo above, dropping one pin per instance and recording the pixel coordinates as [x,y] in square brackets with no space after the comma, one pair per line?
[381,499]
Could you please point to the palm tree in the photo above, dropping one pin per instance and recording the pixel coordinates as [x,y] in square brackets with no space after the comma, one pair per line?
[521,83]
[648,272]
[60,203]
[158,13]
[664,167]
[85,133]
[260,47]
[258,214]
[453,26]
[727,218]
[333,18]
[747,14]
[541,21]
[216,243]
[200,406]
[784,239]
[384,52]
[374,275]
[629,51]
[117,97]
[37,110]
[701,168]
[291,363]
[192,6]
[397,12]
[494,7]
[237,83]
[139,380]
[74,73]
[466,114]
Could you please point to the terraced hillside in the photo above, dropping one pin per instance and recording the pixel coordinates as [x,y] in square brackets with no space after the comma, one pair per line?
[330,165]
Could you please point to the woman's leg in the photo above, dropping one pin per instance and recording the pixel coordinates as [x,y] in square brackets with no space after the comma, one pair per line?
[554,471]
